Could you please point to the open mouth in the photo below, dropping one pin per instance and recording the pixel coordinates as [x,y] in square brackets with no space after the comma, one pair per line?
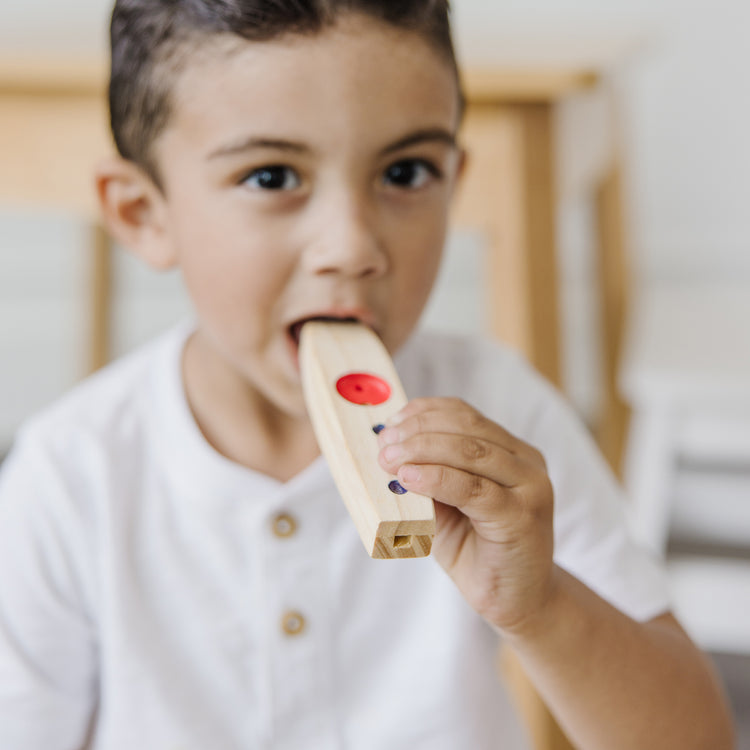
[295,330]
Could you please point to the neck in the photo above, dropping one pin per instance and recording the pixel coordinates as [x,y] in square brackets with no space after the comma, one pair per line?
[239,423]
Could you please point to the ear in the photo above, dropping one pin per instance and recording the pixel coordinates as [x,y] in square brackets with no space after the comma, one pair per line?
[135,212]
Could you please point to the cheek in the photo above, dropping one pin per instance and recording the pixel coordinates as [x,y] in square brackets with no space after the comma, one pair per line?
[232,284]
[232,265]
[415,276]
[420,258]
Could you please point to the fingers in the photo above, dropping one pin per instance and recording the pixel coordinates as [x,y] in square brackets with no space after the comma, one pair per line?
[447,450]
[477,497]
[451,433]
[478,456]
[428,415]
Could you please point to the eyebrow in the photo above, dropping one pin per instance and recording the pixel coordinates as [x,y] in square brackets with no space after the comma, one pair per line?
[426,135]
[248,144]
[439,135]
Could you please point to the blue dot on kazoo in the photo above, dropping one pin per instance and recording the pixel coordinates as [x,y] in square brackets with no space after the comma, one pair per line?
[378,428]
[396,488]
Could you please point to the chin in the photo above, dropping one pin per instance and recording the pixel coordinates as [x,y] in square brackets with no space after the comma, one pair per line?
[292,404]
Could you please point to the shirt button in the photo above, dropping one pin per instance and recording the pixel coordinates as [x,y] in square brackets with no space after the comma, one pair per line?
[293,623]
[284,525]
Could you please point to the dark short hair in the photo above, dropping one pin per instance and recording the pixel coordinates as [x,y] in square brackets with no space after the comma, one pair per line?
[150,40]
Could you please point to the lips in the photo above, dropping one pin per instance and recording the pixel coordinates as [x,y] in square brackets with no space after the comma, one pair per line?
[295,329]
[342,316]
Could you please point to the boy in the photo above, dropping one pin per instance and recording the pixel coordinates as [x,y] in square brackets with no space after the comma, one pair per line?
[176,569]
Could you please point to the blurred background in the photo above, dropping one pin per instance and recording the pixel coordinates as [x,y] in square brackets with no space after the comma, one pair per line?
[644,188]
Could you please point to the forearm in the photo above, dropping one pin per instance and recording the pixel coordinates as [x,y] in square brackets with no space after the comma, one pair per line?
[614,683]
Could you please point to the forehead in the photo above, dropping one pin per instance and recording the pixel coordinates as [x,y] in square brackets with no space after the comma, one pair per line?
[358,78]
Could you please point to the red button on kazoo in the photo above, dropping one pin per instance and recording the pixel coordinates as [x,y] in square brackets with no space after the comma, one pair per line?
[363,388]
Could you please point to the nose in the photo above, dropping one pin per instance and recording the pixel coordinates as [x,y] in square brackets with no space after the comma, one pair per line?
[348,244]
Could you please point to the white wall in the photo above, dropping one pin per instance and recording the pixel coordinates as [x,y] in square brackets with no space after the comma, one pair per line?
[76,26]
[686,102]
[686,113]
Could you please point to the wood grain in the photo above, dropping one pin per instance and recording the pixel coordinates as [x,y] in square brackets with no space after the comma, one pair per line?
[390,525]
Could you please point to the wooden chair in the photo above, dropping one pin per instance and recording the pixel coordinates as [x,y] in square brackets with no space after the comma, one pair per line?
[53,129]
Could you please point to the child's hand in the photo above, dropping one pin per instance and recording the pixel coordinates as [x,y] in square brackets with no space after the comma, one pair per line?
[493,503]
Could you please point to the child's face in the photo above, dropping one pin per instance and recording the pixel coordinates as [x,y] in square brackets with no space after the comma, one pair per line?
[309,176]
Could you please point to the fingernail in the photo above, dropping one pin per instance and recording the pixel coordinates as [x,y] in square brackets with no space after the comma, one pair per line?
[394,419]
[409,473]
[393,453]
[389,436]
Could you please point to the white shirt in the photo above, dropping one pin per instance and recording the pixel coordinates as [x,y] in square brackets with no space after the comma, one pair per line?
[145,591]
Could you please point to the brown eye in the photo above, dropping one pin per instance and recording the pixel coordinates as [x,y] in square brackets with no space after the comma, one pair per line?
[410,173]
[275,177]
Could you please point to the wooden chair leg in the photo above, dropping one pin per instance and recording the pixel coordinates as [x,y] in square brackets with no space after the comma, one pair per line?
[544,732]
[100,300]
[509,195]
[614,287]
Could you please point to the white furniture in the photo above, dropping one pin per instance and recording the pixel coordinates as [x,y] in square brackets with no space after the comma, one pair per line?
[686,374]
